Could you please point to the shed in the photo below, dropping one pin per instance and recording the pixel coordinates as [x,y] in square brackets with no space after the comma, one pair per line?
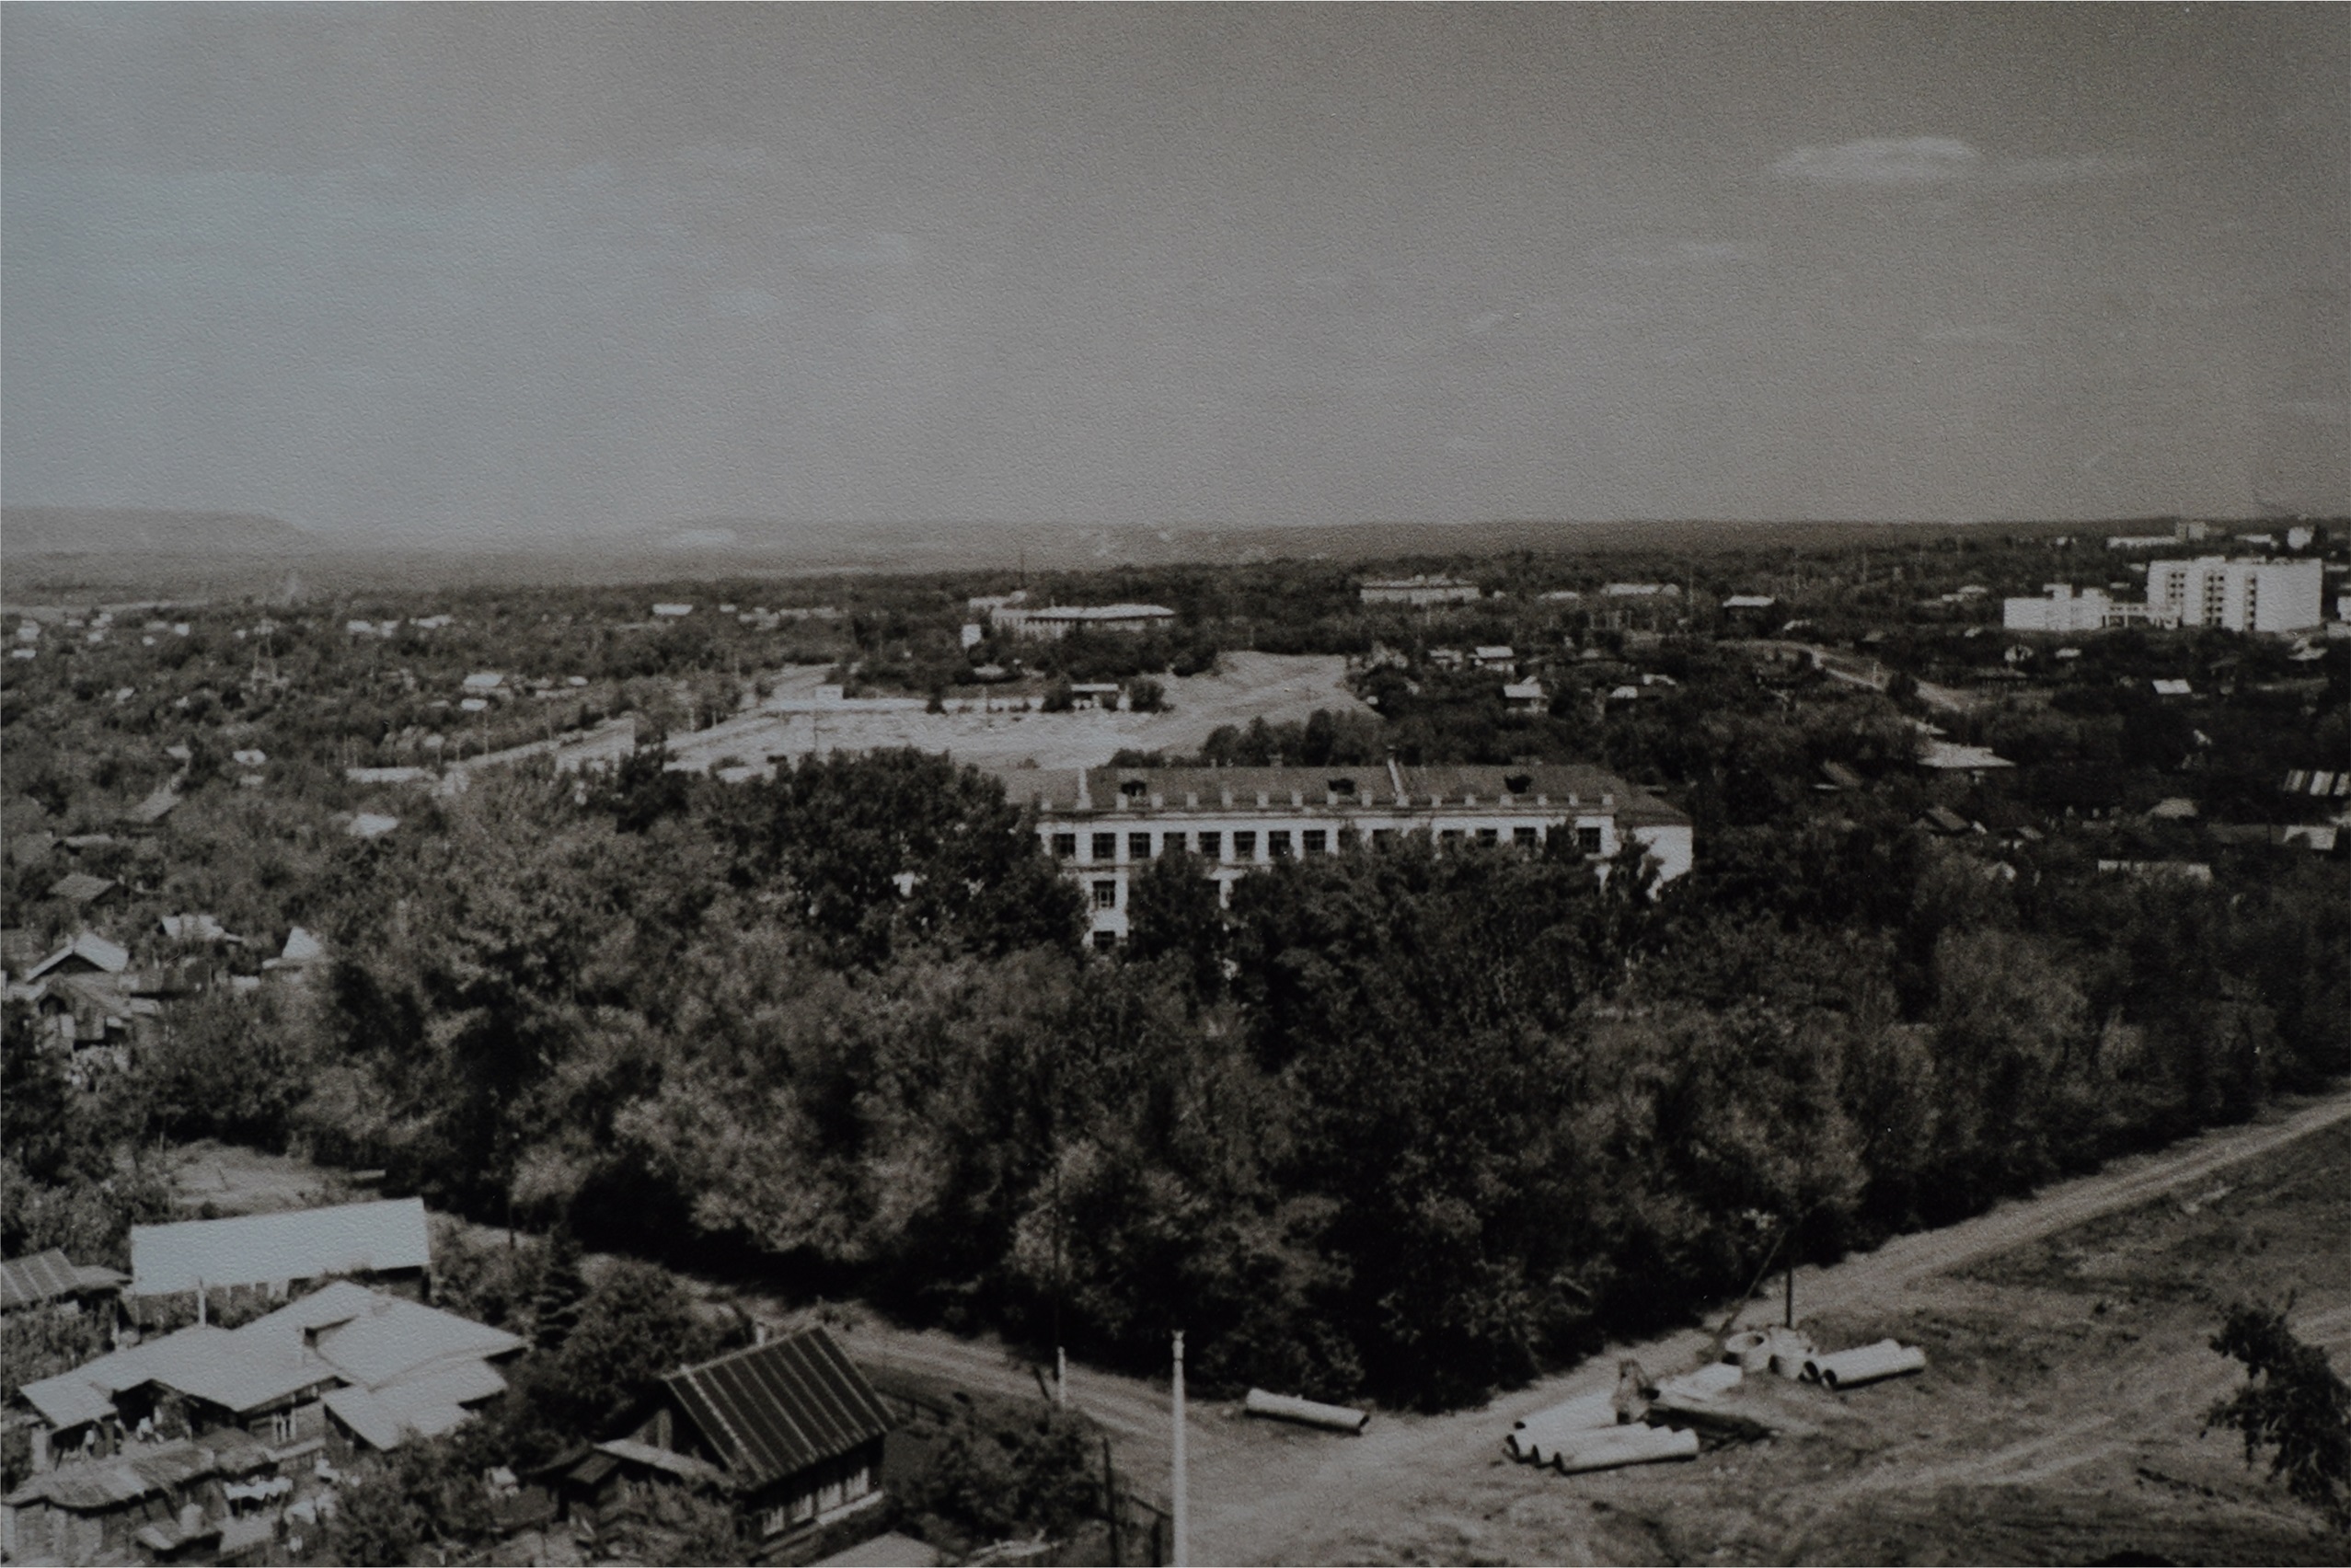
[51,1276]
[387,1237]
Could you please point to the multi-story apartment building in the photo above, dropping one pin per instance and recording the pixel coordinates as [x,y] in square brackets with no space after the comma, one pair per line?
[2237,595]
[1105,824]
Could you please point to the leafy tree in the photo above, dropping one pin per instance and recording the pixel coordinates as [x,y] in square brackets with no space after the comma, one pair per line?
[635,1326]
[990,1480]
[2292,1402]
[1173,907]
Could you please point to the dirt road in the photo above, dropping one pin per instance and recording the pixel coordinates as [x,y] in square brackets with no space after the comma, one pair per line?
[1262,1493]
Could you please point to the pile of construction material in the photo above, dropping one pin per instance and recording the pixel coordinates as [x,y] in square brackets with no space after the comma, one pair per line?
[1308,1412]
[1640,1423]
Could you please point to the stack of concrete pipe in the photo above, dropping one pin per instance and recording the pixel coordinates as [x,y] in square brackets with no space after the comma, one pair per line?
[1869,1363]
[1593,1431]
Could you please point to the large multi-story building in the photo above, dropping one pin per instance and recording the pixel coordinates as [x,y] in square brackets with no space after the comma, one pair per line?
[2237,595]
[1059,620]
[1105,824]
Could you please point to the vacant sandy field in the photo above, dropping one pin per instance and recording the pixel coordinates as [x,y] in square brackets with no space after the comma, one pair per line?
[1246,685]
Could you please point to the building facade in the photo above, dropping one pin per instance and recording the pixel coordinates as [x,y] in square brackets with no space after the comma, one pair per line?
[1059,620]
[1418,592]
[1105,824]
[2237,595]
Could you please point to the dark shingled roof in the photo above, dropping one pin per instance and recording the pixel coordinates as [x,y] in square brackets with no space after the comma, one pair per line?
[778,1407]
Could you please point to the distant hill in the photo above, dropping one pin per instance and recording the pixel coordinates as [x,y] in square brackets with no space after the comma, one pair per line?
[94,530]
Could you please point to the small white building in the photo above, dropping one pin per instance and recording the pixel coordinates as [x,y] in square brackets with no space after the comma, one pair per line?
[672,611]
[1419,592]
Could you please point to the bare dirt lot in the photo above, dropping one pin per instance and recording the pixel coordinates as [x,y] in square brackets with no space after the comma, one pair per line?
[2058,1421]
[1245,686]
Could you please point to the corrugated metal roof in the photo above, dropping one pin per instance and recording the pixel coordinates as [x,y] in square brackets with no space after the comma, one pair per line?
[43,1277]
[263,1249]
[778,1407]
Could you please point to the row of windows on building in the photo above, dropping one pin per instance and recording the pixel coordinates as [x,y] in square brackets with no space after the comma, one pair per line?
[811,1505]
[1103,848]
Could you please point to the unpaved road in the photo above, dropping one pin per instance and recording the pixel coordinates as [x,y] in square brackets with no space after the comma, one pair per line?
[1264,1492]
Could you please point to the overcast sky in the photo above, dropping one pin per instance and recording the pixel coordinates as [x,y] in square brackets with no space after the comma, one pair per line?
[415,273]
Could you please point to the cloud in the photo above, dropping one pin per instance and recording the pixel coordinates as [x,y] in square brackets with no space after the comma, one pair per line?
[1642,253]
[1974,332]
[873,250]
[1883,160]
[745,302]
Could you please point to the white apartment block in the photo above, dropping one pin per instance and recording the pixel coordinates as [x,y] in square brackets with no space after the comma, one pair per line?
[1105,824]
[2236,595]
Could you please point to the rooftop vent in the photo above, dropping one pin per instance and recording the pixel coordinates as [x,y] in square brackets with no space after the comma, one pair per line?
[1518,783]
[1340,786]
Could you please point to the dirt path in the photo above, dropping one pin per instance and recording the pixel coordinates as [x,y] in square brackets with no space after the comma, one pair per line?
[1246,1510]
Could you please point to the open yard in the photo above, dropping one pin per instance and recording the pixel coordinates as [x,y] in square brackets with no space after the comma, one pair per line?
[1246,685]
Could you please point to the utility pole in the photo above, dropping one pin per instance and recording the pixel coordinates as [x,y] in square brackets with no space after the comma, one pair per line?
[1177,1554]
[1060,1356]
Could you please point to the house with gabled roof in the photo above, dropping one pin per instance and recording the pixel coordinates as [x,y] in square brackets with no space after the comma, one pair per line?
[87,954]
[80,887]
[790,1430]
[384,1368]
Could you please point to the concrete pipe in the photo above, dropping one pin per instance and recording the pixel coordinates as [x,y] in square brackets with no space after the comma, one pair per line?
[1869,1363]
[1790,1349]
[1749,1351]
[1285,1407]
[1625,1445]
